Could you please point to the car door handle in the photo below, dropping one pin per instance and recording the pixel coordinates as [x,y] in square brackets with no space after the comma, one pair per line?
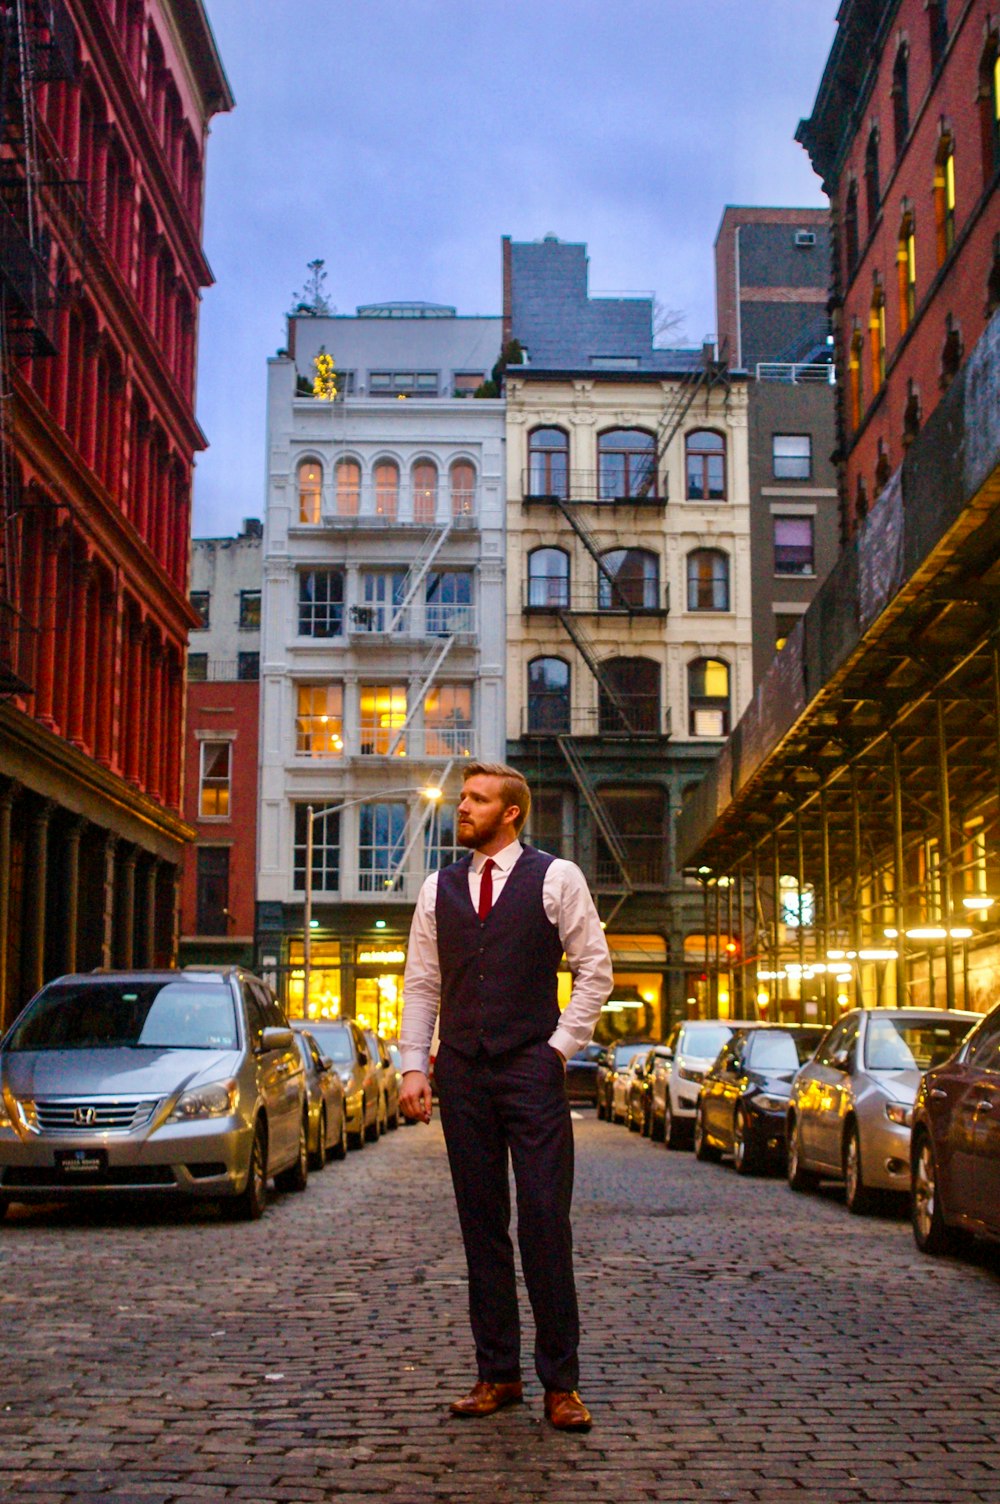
[936,1094]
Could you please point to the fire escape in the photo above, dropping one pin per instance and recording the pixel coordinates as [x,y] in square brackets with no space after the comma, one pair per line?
[37,45]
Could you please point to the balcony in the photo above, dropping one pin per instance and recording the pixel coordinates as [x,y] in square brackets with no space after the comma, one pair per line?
[813,373]
[55,42]
[593,488]
[371,506]
[549,597]
[31,298]
[552,717]
[18,646]
[645,857]
[429,742]
[416,623]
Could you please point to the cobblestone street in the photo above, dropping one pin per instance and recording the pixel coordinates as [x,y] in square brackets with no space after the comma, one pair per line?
[741,1343]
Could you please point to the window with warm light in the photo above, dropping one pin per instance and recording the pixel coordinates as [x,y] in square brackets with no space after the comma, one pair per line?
[310,476]
[876,330]
[906,263]
[425,488]
[386,488]
[854,377]
[348,488]
[448,721]
[708,697]
[705,459]
[382,718]
[215,780]
[319,720]
[944,196]
[324,978]
[707,580]
[462,477]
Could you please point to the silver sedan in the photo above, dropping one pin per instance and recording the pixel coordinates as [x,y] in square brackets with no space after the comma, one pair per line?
[851,1106]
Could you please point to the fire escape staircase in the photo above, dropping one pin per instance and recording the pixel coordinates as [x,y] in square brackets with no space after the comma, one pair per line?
[602,819]
[418,570]
[419,825]
[428,673]
[703,378]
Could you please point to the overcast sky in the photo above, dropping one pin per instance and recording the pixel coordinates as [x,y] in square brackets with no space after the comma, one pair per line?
[399,139]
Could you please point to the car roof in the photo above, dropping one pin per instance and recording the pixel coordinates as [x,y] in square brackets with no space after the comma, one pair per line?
[99,974]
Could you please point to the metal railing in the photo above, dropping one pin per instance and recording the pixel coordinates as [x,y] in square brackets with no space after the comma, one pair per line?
[593,488]
[376,740]
[550,716]
[427,619]
[814,373]
[633,597]
[404,505]
[645,862]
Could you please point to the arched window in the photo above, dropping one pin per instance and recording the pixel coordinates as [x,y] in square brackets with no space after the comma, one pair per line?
[851,236]
[989,105]
[635,580]
[348,488]
[627,460]
[873,196]
[906,266]
[548,577]
[463,489]
[425,490]
[876,328]
[952,352]
[901,98]
[705,454]
[911,414]
[548,463]
[708,697]
[883,468]
[707,580]
[548,695]
[854,376]
[631,701]
[386,488]
[310,491]
[944,196]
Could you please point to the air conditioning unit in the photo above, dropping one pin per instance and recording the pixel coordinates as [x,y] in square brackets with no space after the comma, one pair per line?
[805,237]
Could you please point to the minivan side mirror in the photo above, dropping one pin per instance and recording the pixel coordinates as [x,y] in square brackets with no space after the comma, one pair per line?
[326,1063]
[841,1061]
[276,1039]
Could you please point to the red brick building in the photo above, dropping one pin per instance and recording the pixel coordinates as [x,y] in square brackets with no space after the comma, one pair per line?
[906,136]
[102,147]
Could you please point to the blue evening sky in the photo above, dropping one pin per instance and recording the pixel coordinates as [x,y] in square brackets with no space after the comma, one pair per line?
[399,139]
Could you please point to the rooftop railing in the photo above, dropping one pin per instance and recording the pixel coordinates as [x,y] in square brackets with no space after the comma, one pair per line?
[812,373]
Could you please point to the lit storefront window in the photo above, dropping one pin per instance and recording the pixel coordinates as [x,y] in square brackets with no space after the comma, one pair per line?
[324,980]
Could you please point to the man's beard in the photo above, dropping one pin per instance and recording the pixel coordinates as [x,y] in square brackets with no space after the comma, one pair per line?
[483,833]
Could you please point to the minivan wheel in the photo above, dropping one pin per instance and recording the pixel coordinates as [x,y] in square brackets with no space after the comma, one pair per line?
[931,1232]
[671,1132]
[317,1160]
[799,1178]
[251,1201]
[857,1195]
[296,1176]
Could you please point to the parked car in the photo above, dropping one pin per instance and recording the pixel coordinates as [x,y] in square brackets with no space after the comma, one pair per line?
[581,1074]
[678,1072]
[388,1081]
[852,1105]
[744,1096]
[345,1044]
[638,1114]
[955,1144]
[184,1083]
[325,1094]
[616,1057]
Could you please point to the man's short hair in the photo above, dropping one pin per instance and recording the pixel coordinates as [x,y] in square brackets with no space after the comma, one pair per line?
[513,789]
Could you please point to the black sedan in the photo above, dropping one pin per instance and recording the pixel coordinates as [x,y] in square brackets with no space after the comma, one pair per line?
[744,1097]
[581,1074]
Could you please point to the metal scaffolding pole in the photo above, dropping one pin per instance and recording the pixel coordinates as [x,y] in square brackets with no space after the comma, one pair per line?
[855,862]
[946,859]
[824,933]
[899,873]
[800,882]
[775,922]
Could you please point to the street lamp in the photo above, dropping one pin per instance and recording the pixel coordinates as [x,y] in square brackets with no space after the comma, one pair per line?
[432,794]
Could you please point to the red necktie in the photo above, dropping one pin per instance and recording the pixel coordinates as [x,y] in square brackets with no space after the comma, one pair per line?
[486,887]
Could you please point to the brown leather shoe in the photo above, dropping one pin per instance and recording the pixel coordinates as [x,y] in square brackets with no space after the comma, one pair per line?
[483,1398]
[566,1410]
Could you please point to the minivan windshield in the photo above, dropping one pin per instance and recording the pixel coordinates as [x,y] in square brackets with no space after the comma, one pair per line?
[146,1015]
[335,1041]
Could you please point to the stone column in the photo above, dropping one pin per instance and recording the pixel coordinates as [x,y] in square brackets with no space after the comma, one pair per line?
[128,907]
[80,680]
[149,938]
[72,872]
[36,895]
[108,927]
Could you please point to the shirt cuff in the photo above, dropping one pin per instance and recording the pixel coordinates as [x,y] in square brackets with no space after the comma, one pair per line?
[565,1042]
[414,1060]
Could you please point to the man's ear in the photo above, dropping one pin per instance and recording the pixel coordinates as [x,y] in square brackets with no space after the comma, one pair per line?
[512,814]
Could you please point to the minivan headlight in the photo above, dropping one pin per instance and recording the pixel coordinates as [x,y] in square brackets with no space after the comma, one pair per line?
[216,1100]
[897,1113]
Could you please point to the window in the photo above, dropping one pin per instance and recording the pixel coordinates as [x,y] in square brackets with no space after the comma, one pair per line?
[634,582]
[383,715]
[348,488]
[213,789]
[425,490]
[548,463]
[448,602]
[873,198]
[793,545]
[468,382]
[854,377]
[901,99]
[911,414]
[201,601]
[212,890]
[952,352]
[249,610]
[381,831]
[548,695]
[386,488]
[197,667]
[441,846]
[791,456]
[707,580]
[448,721]
[633,684]
[796,906]
[310,492]
[851,235]
[551,822]
[989,105]
[876,329]
[785,623]
[944,197]
[325,850]
[403,384]
[319,720]
[708,697]
[248,666]
[548,577]
[321,603]
[463,489]
[906,265]
[639,815]
[381,594]
[705,453]
[627,461]
[937,20]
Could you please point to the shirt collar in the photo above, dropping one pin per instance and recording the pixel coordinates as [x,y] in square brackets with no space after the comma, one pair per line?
[504,859]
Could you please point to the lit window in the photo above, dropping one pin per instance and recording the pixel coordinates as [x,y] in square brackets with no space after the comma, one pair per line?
[708,697]
[906,263]
[463,489]
[793,545]
[705,454]
[784,625]
[798,907]
[425,482]
[876,328]
[383,716]
[310,492]
[448,721]
[319,722]
[386,488]
[708,580]
[348,488]
[214,783]
[944,196]
[791,455]
[854,377]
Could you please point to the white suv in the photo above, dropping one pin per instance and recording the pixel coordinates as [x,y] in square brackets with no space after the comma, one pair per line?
[678,1072]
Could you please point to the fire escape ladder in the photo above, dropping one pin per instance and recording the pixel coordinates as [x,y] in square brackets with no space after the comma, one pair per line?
[702,378]
[602,819]
[428,673]
[588,653]
[417,572]
[419,826]
[586,537]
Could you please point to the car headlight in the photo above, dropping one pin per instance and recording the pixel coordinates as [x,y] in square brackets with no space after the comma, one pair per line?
[770,1104]
[689,1074]
[217,1100]
[897,1113]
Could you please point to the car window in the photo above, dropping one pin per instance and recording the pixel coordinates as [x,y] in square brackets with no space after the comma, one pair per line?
[704,1043]
[256,1021]
[624,1053]
[336,1041]
[903,1044]
[272,1008]
[835,1041]
[142,1015]
[314,1052]
[985,1040]
[779,1051]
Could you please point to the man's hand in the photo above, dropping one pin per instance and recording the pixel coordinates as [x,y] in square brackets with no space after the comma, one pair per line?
[415,1097]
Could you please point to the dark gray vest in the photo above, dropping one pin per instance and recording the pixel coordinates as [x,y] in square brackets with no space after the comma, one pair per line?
[498,976]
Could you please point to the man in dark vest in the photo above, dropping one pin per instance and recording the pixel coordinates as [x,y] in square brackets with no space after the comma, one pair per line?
[486,942]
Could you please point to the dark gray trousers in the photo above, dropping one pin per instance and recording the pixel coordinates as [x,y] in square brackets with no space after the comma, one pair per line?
[491,1107]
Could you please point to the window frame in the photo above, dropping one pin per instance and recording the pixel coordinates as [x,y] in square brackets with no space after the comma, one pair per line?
[326,851]
[541,463]
[541,697]
[705,455]
[309,612]
[704,703]
[715,554]
[788,568]
[204,879]
[314,491]
[550,598]
[215,783]
[329,714]
[638,477]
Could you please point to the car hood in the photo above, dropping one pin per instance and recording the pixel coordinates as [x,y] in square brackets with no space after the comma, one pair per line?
[117,1072]
[900,1086]
[779,1082]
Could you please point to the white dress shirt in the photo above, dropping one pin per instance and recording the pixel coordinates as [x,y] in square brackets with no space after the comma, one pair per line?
[568,905]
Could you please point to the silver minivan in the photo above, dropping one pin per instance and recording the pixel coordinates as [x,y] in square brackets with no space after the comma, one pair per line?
[182,1083]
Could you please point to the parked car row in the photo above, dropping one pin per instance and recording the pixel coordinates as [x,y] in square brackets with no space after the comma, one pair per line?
[183,1083]
[901,1100]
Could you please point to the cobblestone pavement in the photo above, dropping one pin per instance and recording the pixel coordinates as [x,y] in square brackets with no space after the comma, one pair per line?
[741,1343]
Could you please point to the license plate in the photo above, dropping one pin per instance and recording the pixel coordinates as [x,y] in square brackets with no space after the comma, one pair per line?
[84,1163]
